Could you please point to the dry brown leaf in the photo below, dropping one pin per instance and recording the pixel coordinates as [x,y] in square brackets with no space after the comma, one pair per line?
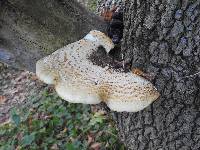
[34,77]
[2,99]
[95,146]
[54,147]
[5,121]
[18,147]
[64,130]
[30,119]
[90,139]
[19,136]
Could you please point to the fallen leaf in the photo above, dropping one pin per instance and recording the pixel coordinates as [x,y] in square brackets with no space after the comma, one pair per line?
[95,146]
[65,130]
[54,147]
[19,136]
[2,99]
[18,147]
[90,139]
[5,121]
[30,123]
[34,77]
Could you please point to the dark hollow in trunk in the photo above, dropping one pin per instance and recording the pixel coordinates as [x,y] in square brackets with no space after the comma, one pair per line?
[163,38]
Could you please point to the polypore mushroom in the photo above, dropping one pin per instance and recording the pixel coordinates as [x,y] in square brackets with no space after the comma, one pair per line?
[78,80]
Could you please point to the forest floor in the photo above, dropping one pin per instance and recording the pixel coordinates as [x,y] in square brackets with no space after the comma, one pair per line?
[16,86]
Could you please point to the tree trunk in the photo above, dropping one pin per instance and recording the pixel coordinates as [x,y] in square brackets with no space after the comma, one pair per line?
[29,30]
[163,38]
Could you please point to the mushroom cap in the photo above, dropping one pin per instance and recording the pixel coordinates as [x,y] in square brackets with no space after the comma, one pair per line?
[78,80]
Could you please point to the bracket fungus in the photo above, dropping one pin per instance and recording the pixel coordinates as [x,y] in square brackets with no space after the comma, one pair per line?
[78,80]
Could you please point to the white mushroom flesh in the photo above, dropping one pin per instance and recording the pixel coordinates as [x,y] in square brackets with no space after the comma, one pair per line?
[78,80]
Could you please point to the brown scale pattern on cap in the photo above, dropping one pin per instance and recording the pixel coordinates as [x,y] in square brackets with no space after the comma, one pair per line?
[78,80]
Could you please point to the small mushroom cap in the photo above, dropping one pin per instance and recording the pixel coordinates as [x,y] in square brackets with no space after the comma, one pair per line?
[78,80]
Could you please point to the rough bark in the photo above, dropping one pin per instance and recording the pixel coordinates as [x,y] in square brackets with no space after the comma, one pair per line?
[163,37]
[30,30]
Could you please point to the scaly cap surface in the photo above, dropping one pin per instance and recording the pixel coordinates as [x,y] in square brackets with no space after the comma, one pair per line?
[78,80]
